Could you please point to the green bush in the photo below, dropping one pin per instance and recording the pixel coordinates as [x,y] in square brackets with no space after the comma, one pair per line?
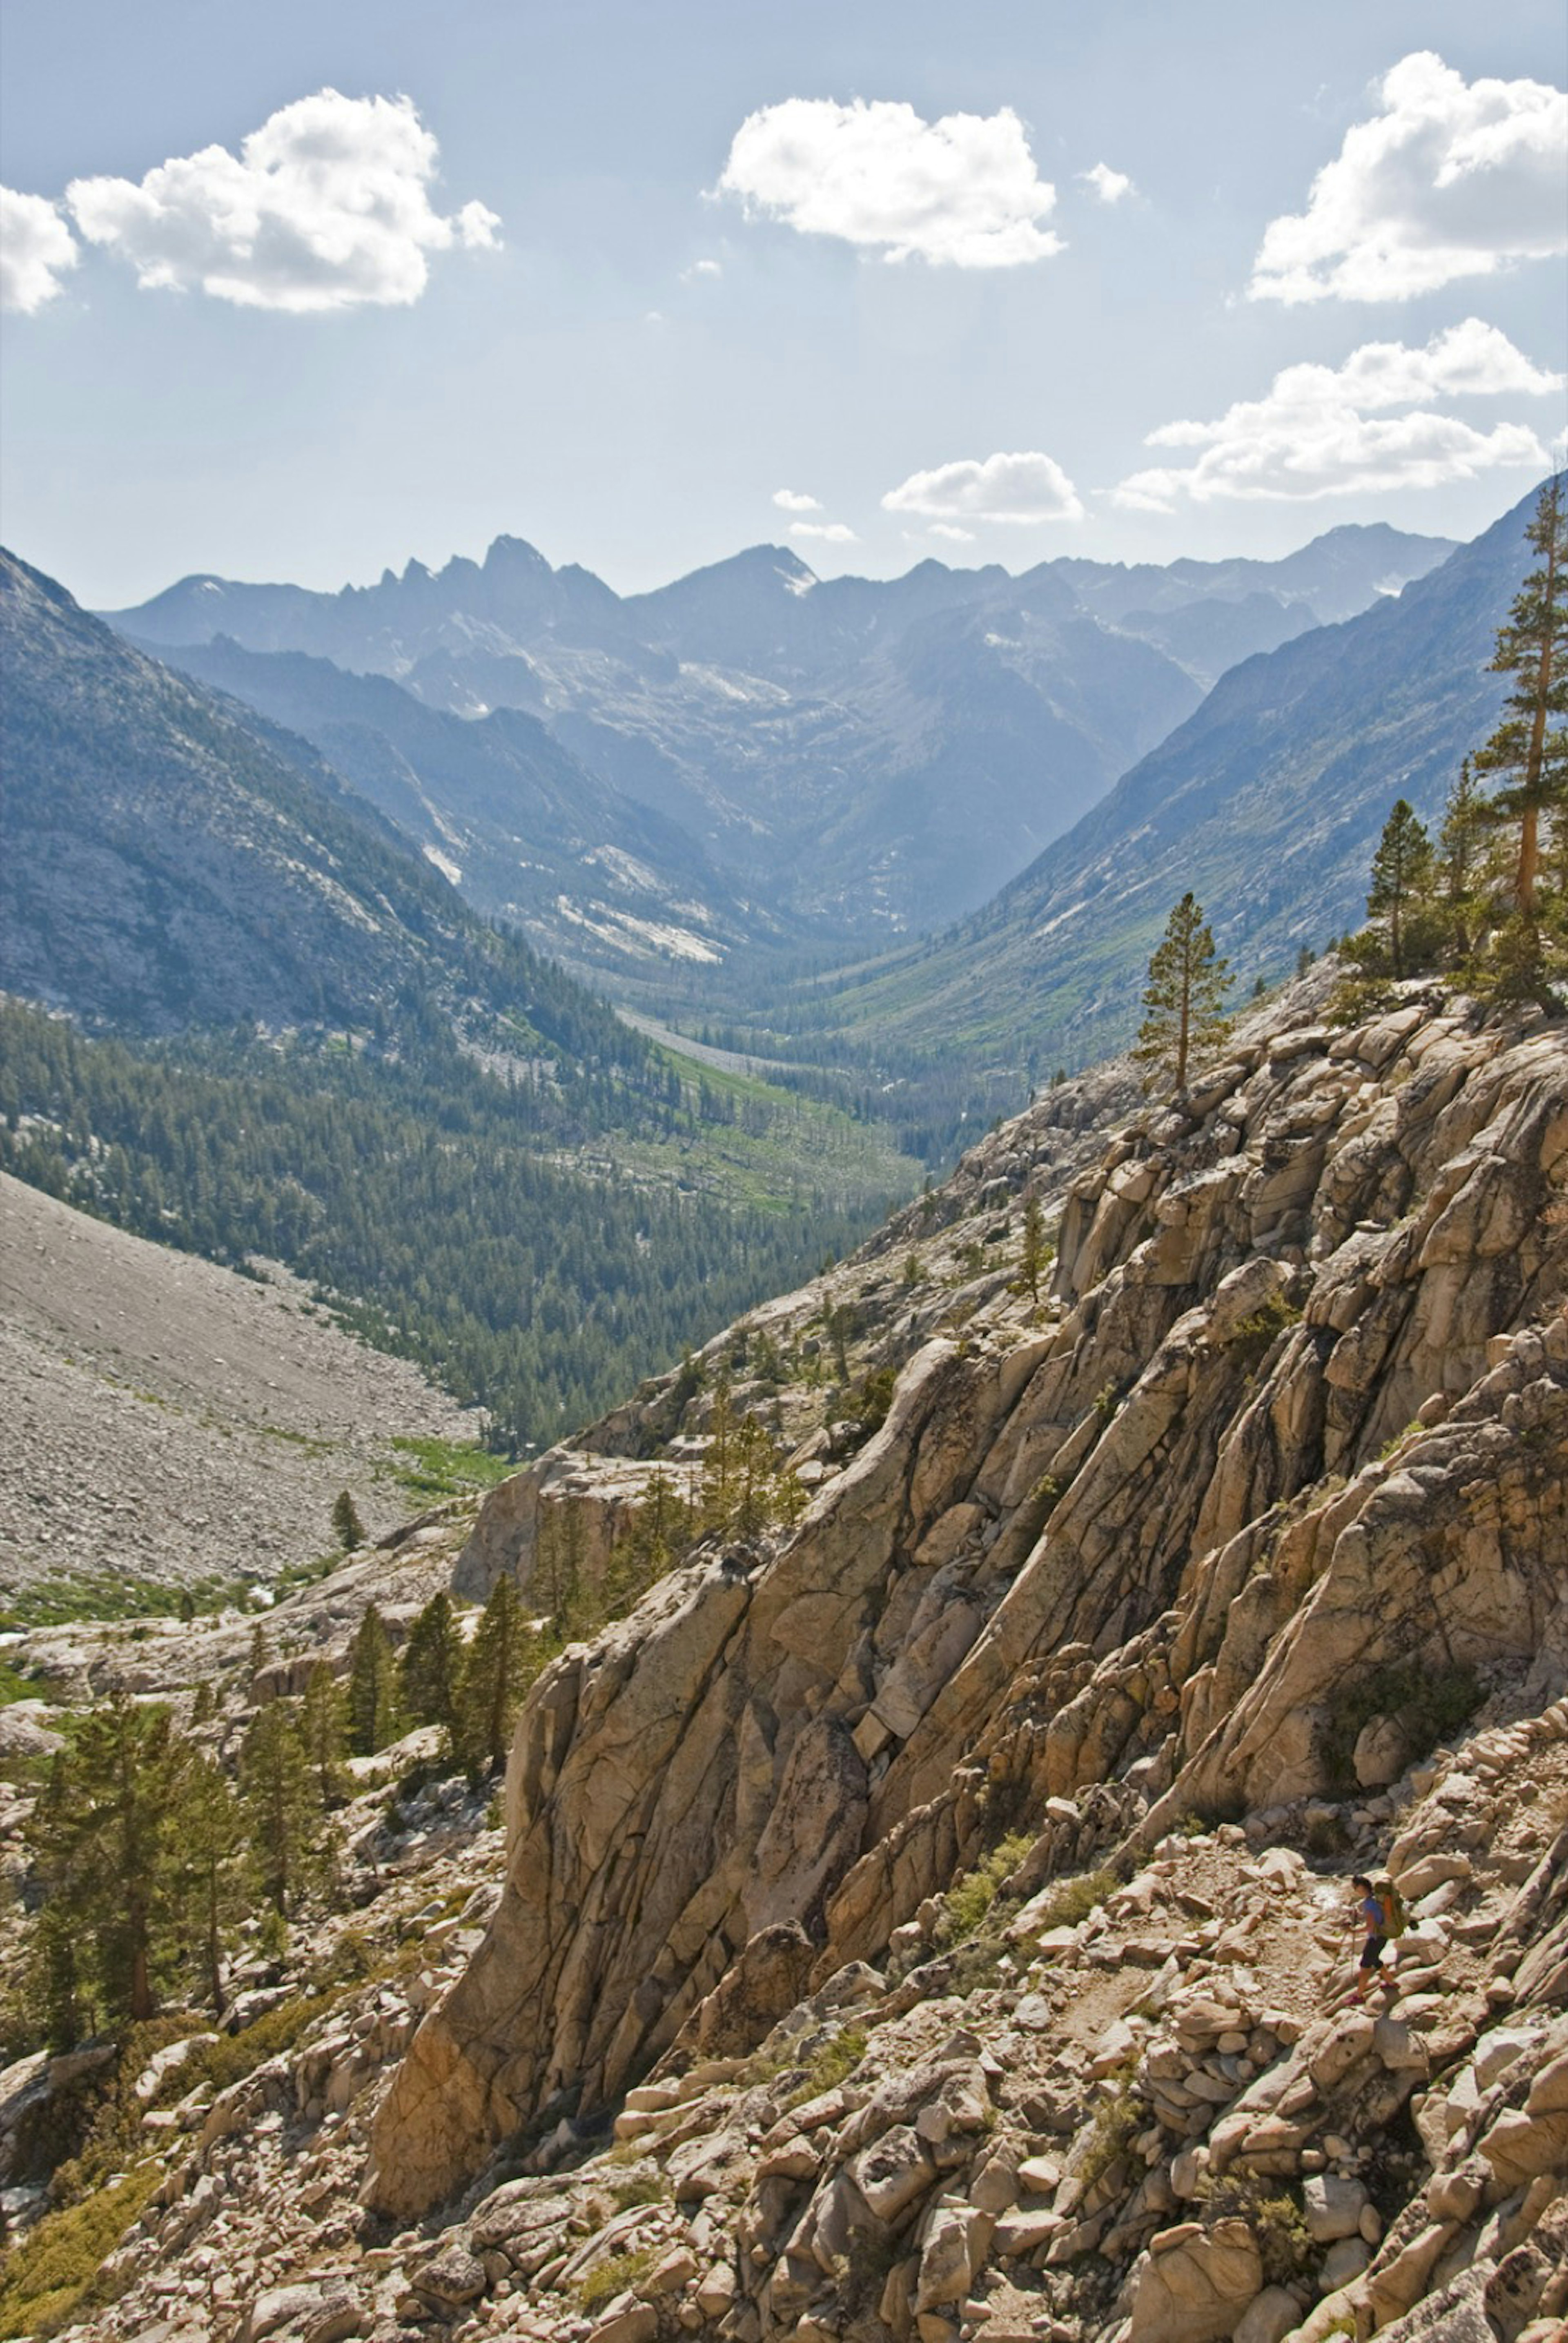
[49,2278]
[1254,1336]
[610,2278]
[1118,2120]
[836,2058]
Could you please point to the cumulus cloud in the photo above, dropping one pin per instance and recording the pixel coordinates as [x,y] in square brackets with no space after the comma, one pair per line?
[1451,179]
[1022,488]
[1107,184]
[795,501]
[326,207]
[950,530]
[699,269]
[37,248]
[1327,431]
[962,190]
[830,532]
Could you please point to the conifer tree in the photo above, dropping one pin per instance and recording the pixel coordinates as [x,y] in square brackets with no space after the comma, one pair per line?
[496,1676]
[1529,751]
[324,1731]
[1402,875]
[1184,1000]
[211,1869]
[348,1527]
[103,1838]
[431,1671]
[1461,861]
[282,1805]
[372,1687]
[718,1459]
[756,1468]
[1034,1251]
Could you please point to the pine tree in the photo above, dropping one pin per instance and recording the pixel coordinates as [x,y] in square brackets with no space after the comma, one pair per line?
[211,1873]
[1183,1001]
[1461,863]
[495,1675]
[103,1838]
[348,1527]
[324,1731]
[431,1671]
[718,1459]
[756,1470]
[282,1807]
[1035,1253]
[1528,754]
[372,1687]
[1401,890]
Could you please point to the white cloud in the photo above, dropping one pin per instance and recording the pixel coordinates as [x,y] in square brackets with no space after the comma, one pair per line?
[795,501]
[326,207]
[1325,431]
[1023,488]
[830,532]
[705,268]
[956,536]
[1109,186]
[37,248]
[962,190]
[1451,179]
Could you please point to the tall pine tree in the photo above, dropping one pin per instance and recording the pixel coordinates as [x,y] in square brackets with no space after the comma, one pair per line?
[1184,1000]
[1528,753]
[372,1687]
[431,1671]
[1401,890]
[495,1675]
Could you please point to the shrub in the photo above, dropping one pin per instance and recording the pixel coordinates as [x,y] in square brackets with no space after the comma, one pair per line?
[1117,2122]
[613,2276]
[968,1900]
[51,2275]
[647,2189]
[1075,1899]
[1277,2222]
[1254,1336]
[837,2057]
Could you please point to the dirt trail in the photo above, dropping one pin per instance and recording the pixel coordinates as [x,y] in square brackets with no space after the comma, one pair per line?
[166,1419]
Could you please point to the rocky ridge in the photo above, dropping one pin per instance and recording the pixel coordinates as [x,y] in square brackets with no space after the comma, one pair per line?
[933,1922]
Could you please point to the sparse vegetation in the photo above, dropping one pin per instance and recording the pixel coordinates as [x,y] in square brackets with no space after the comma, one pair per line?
[56,2274]
[835,2059]
[613,2276]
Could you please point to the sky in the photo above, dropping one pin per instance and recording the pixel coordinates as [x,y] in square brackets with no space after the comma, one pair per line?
[302,291]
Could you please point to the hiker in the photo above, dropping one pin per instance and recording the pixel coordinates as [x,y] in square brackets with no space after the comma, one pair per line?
[1379,1910]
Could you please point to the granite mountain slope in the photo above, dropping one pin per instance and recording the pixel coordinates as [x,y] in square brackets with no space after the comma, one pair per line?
[905,745]
[1137,1543]
[933,1925]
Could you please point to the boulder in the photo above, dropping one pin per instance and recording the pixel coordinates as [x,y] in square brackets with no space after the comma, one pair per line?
[1195,2284]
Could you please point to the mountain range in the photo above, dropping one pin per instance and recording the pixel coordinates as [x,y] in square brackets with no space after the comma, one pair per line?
[867,757]
[1267,802]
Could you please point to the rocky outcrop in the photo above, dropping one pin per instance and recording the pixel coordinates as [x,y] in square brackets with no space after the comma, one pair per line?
[1133,1548]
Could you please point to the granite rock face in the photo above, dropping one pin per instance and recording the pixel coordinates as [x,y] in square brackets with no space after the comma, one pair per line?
[1291,1433]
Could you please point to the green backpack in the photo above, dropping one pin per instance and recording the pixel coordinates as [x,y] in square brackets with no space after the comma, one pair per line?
[1394,1919]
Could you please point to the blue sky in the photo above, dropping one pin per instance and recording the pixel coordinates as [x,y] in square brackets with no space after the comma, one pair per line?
[555,328]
